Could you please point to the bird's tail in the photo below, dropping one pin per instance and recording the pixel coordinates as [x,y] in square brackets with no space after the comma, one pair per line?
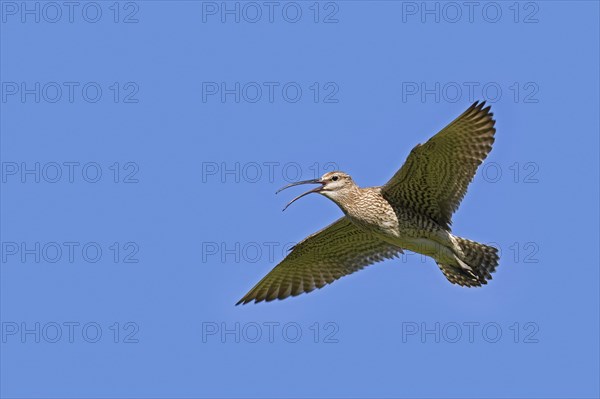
[477,262]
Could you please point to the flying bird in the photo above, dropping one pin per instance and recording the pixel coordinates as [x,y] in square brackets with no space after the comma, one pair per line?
[412,211]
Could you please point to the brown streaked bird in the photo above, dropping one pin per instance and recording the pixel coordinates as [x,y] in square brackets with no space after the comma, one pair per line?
[412,211]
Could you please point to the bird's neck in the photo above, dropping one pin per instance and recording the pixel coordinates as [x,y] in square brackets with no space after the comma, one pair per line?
[346,199]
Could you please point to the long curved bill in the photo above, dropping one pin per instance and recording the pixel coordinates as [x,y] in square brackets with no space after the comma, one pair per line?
[314,190]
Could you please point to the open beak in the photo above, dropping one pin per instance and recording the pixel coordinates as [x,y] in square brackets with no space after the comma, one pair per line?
[314,190]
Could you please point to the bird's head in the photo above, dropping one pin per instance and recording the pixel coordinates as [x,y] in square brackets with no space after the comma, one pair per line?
[334,185]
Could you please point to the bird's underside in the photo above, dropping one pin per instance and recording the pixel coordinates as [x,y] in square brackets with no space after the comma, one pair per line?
[413,211]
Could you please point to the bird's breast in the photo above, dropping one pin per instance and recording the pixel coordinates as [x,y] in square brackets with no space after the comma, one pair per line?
[374,214]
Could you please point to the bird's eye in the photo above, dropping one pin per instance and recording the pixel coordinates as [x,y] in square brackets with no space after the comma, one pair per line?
[335,178]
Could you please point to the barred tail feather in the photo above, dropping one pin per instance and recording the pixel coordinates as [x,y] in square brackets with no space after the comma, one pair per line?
[481,261]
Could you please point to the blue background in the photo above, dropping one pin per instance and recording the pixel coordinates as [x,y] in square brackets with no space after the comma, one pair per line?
[175,214]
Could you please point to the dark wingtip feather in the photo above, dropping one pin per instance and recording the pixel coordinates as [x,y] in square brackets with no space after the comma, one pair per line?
[477,105]
[244,301]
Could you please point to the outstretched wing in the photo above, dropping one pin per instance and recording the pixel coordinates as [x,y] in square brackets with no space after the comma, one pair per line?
[435,176]
[321,258]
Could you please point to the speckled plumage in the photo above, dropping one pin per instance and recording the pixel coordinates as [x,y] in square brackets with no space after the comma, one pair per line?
[412,211]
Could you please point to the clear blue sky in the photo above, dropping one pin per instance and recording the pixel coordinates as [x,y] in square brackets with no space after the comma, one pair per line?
[140,160]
